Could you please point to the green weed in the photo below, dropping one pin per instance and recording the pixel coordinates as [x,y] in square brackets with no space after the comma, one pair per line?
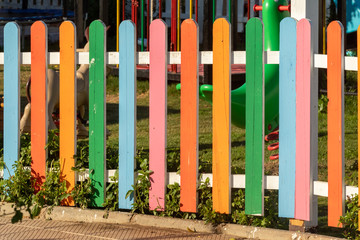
[112,192]
[82,192]
[351,219]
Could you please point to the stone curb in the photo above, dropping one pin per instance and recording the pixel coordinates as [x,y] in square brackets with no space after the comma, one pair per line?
[96,215]
[268,233]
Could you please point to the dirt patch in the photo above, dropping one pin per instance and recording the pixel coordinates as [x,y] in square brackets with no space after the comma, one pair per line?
[143,95]
[113,98]
[272,167]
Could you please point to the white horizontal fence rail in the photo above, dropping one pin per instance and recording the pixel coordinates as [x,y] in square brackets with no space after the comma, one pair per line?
[238,181]
[237,57]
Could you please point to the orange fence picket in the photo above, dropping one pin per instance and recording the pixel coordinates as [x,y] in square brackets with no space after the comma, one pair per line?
[39,114]
[335,87]
[221,116]
[67,105]
[189,118]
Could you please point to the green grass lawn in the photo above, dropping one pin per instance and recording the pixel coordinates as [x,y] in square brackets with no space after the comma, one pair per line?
[173,129]
[237,136]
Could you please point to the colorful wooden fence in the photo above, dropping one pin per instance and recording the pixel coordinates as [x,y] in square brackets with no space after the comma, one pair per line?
[296,182]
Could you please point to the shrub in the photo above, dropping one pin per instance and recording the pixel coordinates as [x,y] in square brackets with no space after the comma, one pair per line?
[351,219]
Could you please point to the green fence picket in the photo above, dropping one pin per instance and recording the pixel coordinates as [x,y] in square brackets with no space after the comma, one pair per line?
[254,148]
[97,111]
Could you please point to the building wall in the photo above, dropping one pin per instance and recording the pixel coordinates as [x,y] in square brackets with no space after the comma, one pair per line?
[34,4]
[10,4]
[45,4]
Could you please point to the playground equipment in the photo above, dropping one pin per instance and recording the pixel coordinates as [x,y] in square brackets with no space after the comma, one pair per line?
[295,171]
[273,13]
[175,18]
[174,15]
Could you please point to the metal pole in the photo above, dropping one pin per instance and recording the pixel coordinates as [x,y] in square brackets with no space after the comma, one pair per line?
[191,9]
[173,30]
[196,10]
[117,23]
[323,27]
[142,25]
[178,25]
[229,10]
[132,11]
[214,10]
[151,11]
[136,4]
[249,9]
[160,9]
[123,10]
[147,23]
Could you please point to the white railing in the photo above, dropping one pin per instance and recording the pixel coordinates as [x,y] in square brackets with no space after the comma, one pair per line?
[237,57]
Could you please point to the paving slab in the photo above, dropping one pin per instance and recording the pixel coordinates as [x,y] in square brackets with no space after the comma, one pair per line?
[54,229]
[91,224]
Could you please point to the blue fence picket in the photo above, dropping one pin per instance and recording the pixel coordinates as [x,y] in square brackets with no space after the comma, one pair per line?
[127,111]
[287,117]
[11,96]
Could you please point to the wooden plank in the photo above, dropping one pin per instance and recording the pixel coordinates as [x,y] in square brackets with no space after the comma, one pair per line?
[358,75]
[68,106]
[127,111]
[39,116]
[335,87]
[254,122]
[189,115]
[221,165]
[97,111]
[303,177]
[158,113]
[287,117]
[11,97]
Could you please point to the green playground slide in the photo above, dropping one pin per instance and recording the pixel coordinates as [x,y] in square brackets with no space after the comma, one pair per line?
[271,18]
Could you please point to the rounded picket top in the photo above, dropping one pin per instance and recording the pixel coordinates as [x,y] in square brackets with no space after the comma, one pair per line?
[12,28]
[39,26]
[288,21]
[158,23]
[255,21]
[127,25]
[305,22]
[335,26]
[189,23]
[67,26]
[95,28]
[221,23]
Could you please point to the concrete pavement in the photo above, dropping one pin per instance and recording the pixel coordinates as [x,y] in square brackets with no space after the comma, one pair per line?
[54,229]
